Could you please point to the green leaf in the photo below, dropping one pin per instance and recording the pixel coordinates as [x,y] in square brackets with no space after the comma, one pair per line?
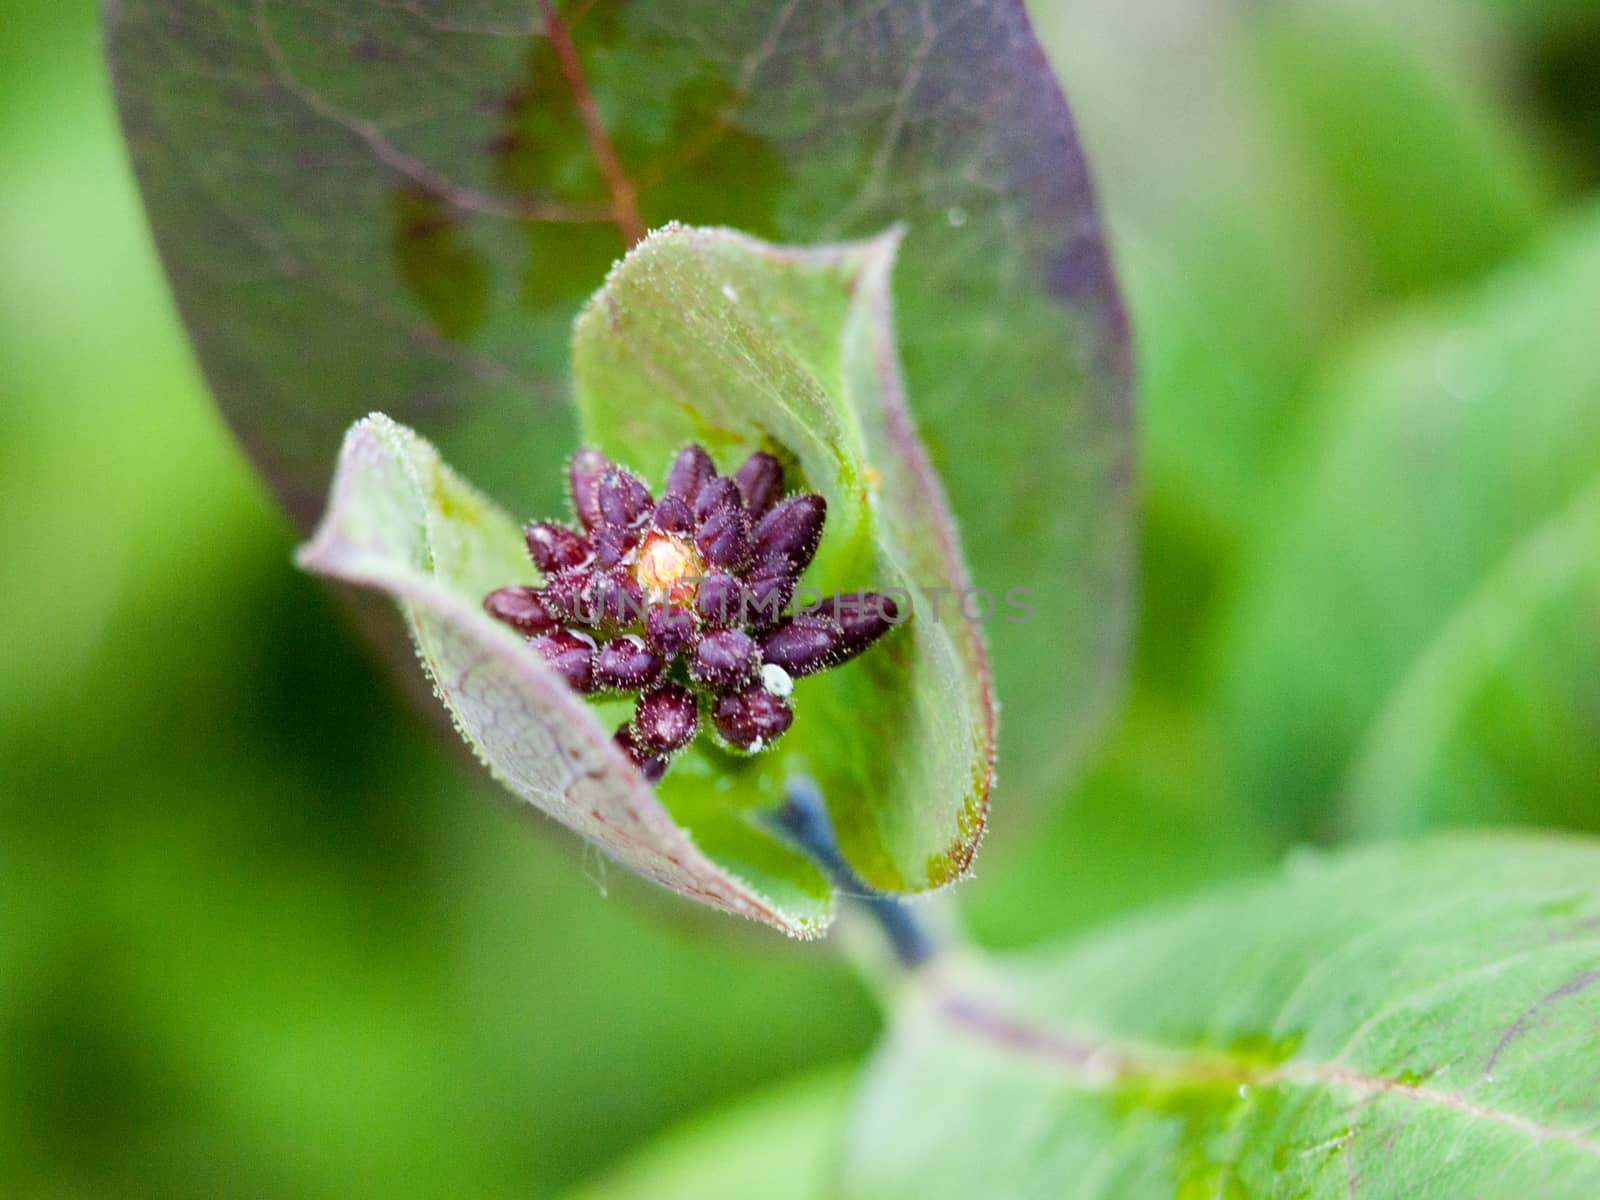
[1396,1022]
[782,1144]
[1426,174]
[404,205]
[402,522]
[1417,643]
[713,337]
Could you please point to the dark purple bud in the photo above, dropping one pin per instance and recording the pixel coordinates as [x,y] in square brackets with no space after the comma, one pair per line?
[719,494]
[791,531]
[723,538]
[725,658]
[561,594]
[522,608]
[665,719]
[651,766]
[555,547]
[674,515]
[626,663]
[690,472]
[610,597]
[803,644]
[668,628]
[612,545]
[623,498]
[583,473]
[863,618]
[752,719]
[720,599]
[760,480]
[769,587]
[571,654]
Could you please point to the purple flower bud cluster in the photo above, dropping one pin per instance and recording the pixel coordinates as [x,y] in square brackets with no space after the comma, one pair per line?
[684,600]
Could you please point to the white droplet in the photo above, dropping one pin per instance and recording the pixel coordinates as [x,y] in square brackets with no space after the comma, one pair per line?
[727,290]
[956,215]
[776,680]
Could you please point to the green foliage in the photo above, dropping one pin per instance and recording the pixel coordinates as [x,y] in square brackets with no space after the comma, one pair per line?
[1432,186]
[711,337]
[783,1145]
[301,951]
[401,207]
[1375,1024]
[1368,1024]
[1417,639]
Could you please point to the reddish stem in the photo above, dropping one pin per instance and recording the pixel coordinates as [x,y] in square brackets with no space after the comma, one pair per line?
[621,189]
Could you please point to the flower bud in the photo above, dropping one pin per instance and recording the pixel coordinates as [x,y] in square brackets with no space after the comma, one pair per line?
[802,645]
[522,608]
[626,663]
[791,531]
[723,538]
[673,515]
[668,628]
[610,597]
[690,472]
[623,498]
[612,545]
[716,495]
[572,656]
[665,719]
[862,617]
[769,587]
[555,547]
[651,766]
[583,475]
[560,595]
[760,480]
[706,575]
[725,658]
[720,599]
[752,719]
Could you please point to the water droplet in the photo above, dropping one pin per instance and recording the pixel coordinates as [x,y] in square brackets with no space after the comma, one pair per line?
[956,215]
[727,290]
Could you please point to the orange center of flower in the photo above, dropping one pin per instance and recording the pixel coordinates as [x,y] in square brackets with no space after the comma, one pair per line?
[668,567]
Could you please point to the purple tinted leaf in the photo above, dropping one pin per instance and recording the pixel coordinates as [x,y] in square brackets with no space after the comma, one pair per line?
[405,201]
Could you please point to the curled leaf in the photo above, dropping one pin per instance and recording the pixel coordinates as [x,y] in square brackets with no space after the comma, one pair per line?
[400,521]
[710,336]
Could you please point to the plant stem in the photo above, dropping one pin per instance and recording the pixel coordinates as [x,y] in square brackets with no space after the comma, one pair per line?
[804,818]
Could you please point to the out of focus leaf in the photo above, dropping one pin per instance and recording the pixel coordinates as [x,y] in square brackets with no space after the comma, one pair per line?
[403,205]
[781,1145]
[713,337]
[1419,641]
[402,522]
[1433,187]
[1279,170]
[1405,1021]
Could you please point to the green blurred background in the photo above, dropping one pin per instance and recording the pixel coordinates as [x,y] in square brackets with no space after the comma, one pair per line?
[263,934]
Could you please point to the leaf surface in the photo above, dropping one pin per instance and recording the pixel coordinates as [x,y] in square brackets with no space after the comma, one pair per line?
[402,206]
[1411,1020]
